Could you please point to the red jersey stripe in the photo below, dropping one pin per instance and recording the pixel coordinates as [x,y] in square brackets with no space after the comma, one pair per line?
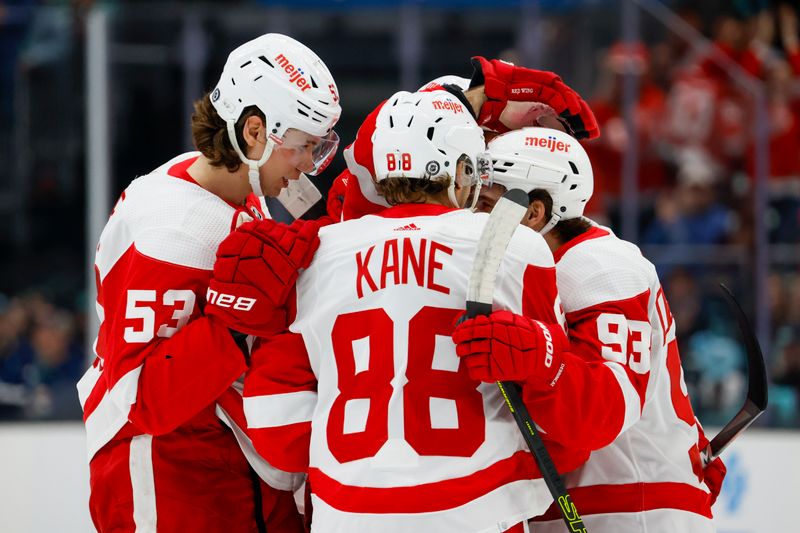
[635,498]
[425,498]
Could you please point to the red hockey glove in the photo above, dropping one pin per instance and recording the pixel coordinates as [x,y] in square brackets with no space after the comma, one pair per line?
[508,347]
[507,86]
[714,472]
[256,268]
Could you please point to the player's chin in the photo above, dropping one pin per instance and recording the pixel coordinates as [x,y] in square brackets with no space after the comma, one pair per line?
[276,187]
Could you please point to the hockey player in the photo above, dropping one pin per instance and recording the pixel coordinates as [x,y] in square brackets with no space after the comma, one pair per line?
[630,409]
[500,96]
[162,406]
[366,391]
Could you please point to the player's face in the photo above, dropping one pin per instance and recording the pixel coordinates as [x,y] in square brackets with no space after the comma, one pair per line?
[489,196]
[295,154]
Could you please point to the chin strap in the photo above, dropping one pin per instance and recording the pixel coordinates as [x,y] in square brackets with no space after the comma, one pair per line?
[253,165]
[451,194]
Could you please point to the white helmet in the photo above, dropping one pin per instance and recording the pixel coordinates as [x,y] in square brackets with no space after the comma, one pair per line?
[544,158]
[447,79]
[292,87]
[424,135]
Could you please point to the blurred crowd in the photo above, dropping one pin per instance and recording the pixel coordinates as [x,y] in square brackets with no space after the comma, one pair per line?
[696,122]
[42,356]
[695,125]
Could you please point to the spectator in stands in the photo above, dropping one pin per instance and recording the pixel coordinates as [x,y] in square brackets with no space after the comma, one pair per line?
[685,301]
[787,355]
[692,214]
[718,361]
[783,93]
[608,151]
[58,363]
[15,355]
[41,359]
[786,349]
[708,106]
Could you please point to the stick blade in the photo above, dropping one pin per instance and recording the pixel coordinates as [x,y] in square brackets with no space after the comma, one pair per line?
[757,395]
[756,368]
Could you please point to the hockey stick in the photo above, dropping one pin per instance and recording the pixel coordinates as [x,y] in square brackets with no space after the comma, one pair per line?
[756,401]
[503,221]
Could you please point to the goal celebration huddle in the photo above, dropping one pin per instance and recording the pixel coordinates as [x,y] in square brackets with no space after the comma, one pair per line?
[255,376]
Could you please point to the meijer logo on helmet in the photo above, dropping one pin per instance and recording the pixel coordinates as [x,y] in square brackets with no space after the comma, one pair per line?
[296,75]
[549,143]
[447,104]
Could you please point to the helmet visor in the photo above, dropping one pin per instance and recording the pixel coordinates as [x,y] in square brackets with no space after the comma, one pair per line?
[309,153]
[472,174]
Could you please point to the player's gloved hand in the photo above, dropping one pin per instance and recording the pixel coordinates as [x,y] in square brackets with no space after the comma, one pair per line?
[714,472]
[256,268]
[508,347]
[516,94]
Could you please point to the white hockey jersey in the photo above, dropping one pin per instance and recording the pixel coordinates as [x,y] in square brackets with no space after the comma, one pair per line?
[153,263]
[649,478]
[401,439]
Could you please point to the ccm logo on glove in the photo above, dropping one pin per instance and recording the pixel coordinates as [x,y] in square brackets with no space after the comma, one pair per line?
[240,303]
[548,345]
[504,346]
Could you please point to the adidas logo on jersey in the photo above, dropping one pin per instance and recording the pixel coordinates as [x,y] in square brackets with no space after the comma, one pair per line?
[408,227]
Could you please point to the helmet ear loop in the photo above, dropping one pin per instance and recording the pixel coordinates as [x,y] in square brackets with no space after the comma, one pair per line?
[253,176]
[475,191]
[451,194]
[474,195]
[451,189]
[554,219]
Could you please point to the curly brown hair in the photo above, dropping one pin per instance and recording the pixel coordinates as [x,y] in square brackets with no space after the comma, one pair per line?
[410,190]
[210,133]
